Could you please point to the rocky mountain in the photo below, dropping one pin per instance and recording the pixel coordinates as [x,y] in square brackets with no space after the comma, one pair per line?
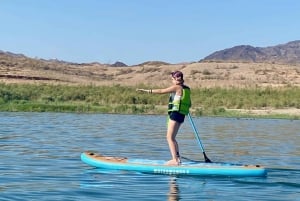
[13,59]
[118,64]
[288,53]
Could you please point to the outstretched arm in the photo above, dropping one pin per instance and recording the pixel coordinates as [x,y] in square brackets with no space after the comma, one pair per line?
[159,91]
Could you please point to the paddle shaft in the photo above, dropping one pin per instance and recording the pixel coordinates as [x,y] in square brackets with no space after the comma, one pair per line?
[207,160]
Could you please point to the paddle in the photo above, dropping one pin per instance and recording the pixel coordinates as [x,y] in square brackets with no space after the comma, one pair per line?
[198,139]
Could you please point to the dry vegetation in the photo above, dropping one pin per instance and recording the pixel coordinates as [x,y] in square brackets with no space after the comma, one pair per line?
[150,73]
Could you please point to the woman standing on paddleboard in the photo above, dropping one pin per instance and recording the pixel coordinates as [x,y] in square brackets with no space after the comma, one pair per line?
[179,104]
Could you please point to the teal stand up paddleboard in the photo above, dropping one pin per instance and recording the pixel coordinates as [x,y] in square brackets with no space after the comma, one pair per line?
[159,167]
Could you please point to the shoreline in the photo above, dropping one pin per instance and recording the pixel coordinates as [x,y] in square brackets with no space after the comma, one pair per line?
[269,111]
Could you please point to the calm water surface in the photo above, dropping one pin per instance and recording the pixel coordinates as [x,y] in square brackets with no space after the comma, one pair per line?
[40,157]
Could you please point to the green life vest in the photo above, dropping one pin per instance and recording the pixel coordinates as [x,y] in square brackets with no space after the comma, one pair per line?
[183,105]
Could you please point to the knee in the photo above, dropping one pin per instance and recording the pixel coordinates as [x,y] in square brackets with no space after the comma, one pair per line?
[170,138]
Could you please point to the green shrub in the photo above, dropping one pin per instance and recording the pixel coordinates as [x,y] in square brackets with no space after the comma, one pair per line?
[124,99]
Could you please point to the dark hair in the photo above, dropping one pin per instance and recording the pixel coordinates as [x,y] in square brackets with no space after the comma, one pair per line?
[178,76]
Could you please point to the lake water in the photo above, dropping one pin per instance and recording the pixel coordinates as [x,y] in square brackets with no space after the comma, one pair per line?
[40,157]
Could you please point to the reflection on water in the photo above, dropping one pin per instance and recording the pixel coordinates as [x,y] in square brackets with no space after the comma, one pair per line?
[40,157]
[174,190]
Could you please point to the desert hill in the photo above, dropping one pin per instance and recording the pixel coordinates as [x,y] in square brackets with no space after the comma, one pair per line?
[270,66]
[288,53]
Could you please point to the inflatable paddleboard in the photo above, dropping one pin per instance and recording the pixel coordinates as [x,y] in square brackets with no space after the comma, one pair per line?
[159,167]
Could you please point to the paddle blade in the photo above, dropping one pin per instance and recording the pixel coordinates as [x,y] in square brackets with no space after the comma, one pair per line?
[207,160]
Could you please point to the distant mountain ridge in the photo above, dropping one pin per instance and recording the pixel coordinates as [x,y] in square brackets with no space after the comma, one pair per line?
[288,53]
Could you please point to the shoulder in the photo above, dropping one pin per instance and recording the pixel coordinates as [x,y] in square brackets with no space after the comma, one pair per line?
[175,87]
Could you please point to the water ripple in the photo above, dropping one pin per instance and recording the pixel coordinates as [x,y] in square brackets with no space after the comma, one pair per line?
[40,157]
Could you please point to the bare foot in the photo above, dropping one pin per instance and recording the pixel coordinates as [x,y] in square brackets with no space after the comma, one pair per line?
[173,162]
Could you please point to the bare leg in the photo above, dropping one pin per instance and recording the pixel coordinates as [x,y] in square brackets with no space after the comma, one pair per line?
[173,128]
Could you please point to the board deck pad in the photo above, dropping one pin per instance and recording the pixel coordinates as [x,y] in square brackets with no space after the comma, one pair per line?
[158,166]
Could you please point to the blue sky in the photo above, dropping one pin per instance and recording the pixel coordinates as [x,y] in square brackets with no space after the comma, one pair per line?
[135,31]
